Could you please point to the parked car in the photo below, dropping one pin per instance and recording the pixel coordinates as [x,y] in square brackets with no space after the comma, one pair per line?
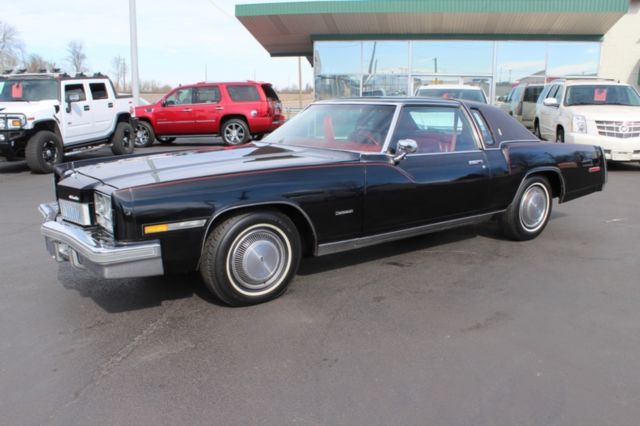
[462,92]
[237,112]
[521,103]
[598,112]
[339,176]
[44,116]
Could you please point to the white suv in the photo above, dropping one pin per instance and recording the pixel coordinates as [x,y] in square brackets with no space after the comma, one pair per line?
[45,116]
[596,112]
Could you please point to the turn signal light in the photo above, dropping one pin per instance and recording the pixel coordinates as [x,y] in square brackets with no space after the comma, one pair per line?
[153,229]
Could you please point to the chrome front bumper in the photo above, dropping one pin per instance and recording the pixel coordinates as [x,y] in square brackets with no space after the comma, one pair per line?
[71,243]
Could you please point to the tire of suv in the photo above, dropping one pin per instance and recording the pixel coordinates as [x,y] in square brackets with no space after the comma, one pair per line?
[44,150]
[235,132]
[144,135]
[165,141]
[122,140]
[251,258]
[560,135]
[528,214]
[536,129]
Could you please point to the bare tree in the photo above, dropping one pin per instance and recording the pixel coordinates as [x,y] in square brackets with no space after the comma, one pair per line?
[11,46]
[120,69]
[76,56]
[36,63]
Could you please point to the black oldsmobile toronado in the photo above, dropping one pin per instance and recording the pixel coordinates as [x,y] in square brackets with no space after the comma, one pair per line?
[340,175]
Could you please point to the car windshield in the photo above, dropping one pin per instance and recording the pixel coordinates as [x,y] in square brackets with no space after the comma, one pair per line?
[464,94]
[17,90]
[361,128]
[602,94]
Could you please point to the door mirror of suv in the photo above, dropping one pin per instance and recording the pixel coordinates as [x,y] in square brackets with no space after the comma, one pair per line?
[501,98]
[551,102]
[71,98]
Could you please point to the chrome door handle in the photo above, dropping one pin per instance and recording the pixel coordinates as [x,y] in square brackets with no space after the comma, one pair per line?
[219,108]
[475,162]
[187,110]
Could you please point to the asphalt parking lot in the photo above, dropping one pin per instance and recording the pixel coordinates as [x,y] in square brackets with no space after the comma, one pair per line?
[455,328]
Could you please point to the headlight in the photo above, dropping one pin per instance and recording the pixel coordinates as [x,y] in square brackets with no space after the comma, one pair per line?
[102,205]
[579,124]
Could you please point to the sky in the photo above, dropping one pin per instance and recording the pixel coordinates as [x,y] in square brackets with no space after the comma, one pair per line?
[177,40]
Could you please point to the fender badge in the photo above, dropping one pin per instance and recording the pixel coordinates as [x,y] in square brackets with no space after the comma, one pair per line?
[74,197]
[343,212]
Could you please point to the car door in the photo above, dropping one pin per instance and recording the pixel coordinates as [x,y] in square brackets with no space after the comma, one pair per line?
[529,100]
[446,178]
[547,115]
[102,108]
[207,109]
[77,116]
[175,114]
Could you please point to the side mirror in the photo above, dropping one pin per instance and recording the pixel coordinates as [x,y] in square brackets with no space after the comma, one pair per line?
[405,146]
[71,98]
[550,102]
[501,98]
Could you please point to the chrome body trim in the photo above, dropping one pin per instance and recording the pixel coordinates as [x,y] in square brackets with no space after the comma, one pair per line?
[356,243]
[105,258]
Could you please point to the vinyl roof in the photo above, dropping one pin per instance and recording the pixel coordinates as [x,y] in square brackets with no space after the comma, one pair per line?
[289,28]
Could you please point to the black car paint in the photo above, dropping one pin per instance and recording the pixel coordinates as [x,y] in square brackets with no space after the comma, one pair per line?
[331,195]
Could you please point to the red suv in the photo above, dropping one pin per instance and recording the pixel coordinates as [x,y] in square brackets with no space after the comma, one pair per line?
[238,112]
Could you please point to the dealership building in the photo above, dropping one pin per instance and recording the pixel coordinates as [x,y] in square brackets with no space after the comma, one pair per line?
[384,47]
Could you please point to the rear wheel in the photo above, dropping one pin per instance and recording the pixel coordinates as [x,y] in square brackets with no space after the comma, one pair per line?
[536,129]
[123,139]
[44,150]
[251,258]
[235,132]
[560,135]
[165,141]
[144,135]
[529,213]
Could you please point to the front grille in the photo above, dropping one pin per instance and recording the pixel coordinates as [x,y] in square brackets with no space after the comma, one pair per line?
[619,129]
[75,212]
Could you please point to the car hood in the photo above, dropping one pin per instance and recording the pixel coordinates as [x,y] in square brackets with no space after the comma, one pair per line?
[196,163]
[608,112]
[27,108]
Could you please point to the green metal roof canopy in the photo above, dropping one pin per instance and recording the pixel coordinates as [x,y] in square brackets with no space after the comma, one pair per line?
[289,28]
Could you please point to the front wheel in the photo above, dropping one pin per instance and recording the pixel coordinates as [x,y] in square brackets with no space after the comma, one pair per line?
[144,135]
[251,258]
[44,150]
[529,213]
[123,139]
[235,132]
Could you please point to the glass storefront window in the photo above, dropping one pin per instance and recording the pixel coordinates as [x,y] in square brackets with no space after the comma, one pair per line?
[385,57]
[452,57]
[337,57]
[519,62]
[573,59]
[337,86]
[385,85]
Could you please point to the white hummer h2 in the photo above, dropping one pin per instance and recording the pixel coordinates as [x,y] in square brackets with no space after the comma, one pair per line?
[45,116]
